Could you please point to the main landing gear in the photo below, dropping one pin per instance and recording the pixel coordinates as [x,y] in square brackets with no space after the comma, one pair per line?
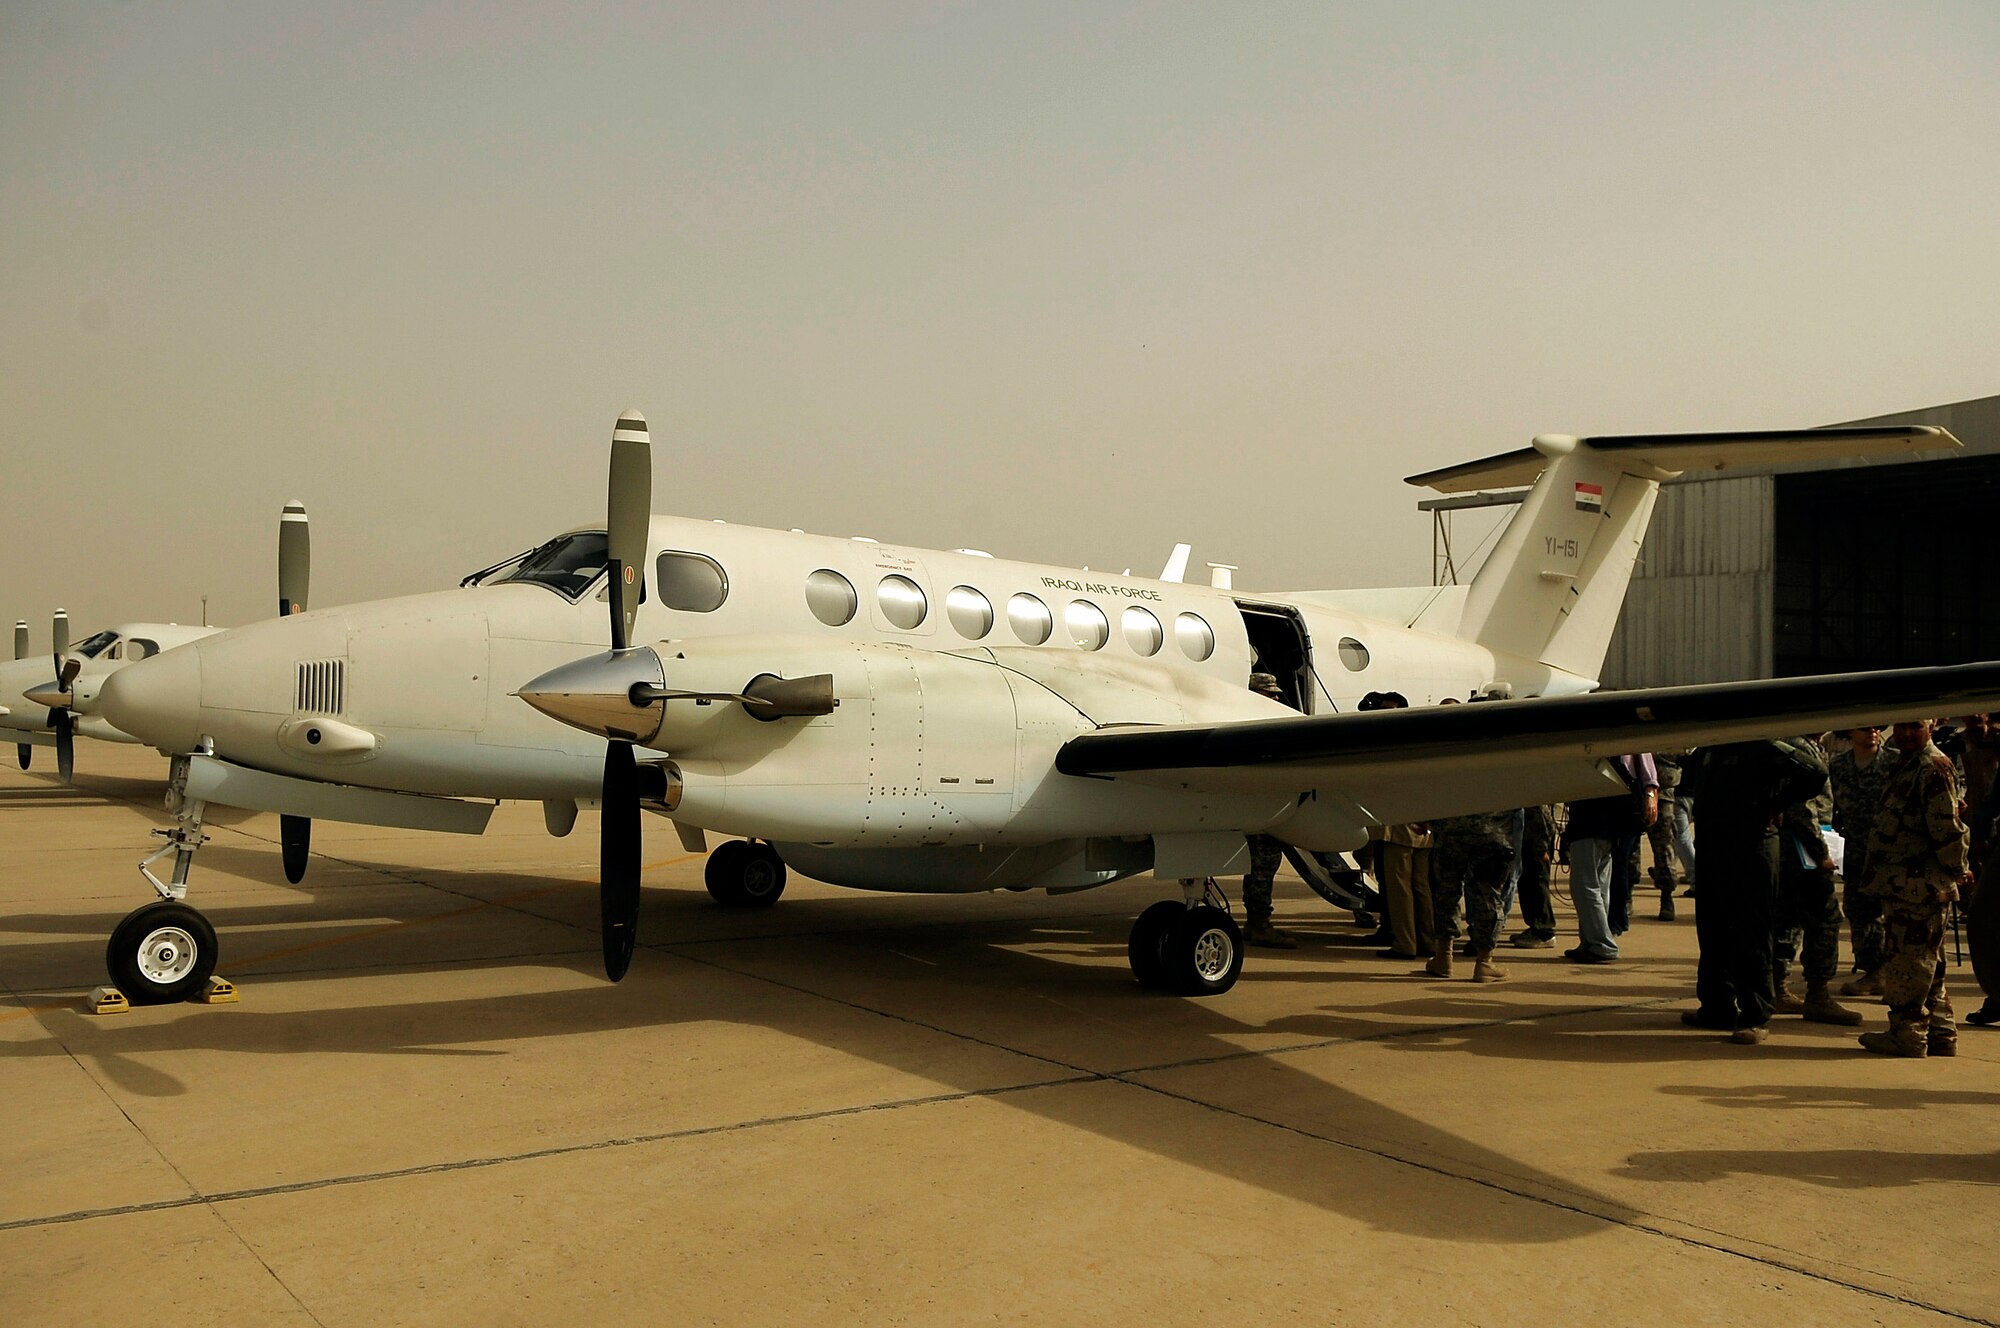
[165,951]
[1193,948]
[745,873]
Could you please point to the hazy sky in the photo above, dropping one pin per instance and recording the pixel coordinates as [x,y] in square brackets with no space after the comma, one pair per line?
[1065,282]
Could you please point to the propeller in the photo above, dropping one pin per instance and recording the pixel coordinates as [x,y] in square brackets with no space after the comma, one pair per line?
[294,581]
[22,751]
[628,511]
[294,559]
[60,718]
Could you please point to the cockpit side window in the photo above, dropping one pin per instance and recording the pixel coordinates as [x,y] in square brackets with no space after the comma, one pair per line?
[567,564]
[92,647]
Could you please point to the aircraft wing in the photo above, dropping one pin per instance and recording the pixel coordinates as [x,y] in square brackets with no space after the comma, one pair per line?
[1390,767]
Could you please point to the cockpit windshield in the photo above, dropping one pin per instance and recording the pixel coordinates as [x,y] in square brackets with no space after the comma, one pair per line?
[92,647]
[567,564]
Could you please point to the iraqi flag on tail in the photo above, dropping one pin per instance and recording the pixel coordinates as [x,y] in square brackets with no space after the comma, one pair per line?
[1590,497]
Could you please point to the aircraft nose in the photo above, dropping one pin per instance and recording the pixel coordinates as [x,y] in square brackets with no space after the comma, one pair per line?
[596,694]
[157,700]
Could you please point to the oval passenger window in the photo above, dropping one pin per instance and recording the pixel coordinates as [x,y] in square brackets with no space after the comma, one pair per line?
[971,613]
[831,597]
[691,582]
[902,601]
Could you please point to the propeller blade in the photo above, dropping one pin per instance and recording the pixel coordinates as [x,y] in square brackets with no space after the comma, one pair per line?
[294,559]
[628,511]
[65,743]
[20,638]
[618,859]
[59,641]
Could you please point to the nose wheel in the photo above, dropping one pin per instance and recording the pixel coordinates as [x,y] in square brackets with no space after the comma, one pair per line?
[161,953]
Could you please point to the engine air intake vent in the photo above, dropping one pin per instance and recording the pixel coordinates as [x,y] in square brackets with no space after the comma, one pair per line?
[322,687]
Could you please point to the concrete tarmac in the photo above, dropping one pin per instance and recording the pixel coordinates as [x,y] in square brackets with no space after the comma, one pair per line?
[429,1108]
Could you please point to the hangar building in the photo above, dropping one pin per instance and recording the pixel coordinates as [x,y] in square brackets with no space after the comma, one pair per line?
[1785,570]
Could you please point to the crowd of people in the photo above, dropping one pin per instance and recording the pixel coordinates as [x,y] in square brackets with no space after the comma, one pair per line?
[1793,837]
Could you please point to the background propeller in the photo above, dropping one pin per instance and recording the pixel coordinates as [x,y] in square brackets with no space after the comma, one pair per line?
[628,513]
[60,718]
[23,751]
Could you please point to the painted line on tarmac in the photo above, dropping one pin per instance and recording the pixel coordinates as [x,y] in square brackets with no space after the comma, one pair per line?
[197,1200]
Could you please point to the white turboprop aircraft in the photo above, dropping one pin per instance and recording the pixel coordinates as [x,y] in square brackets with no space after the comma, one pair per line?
[46,705]
[917,720]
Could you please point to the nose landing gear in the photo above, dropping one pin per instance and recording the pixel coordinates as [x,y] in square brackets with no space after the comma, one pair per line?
[165,951]
[1193,948]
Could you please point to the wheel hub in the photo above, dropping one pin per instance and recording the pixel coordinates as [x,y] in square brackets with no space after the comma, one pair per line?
[1213,954]
[166,955]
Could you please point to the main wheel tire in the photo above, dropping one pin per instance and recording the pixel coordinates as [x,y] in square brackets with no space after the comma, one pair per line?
[745,873]
[1204,952]
[1148,942]
[161,953]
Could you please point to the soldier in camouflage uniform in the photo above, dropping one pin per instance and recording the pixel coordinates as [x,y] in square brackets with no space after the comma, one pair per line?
[1265,855]
[1470,858]
[1916,863]
[1661,833]
[1538,850]
[1857,776]
[1807,910]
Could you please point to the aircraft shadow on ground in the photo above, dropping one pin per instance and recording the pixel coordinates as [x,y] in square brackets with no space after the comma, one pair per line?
[673,989]
[1832,1168]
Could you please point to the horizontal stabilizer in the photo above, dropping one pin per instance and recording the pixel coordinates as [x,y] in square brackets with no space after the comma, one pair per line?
[1677,453]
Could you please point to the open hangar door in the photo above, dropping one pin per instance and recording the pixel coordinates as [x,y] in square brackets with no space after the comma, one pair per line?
[1886,567]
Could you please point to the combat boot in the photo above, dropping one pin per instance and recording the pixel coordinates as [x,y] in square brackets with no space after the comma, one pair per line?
[1666,905]
[1485,970]
[1261,931]
[1896,1042]
[1785,999]
[1942,1046]
[1440,964]
[1821,1008]
[1868,984]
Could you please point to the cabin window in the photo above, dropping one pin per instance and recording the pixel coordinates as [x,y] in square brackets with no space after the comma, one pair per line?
[139,647]
[1087,624]
[691,582]
[971,613]
[1353,654]
[902,601]
[1030,619]
[1195,636]
[831,597]
[1142,631]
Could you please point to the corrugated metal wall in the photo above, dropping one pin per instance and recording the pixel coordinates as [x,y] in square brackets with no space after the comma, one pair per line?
[1700,606]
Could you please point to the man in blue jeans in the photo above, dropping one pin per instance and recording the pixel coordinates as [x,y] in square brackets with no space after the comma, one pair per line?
[1596,826]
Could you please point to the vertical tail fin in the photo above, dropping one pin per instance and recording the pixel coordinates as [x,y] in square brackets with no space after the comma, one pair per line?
[1552,588]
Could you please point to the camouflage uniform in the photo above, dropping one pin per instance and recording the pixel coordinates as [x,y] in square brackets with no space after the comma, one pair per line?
[1916,855]
[1660,834]
[1538,846]
[1807,908]
[1470,857]
[1265,855]
[1857,792]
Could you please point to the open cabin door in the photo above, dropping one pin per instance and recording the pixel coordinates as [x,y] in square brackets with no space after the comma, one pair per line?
[1279,646]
